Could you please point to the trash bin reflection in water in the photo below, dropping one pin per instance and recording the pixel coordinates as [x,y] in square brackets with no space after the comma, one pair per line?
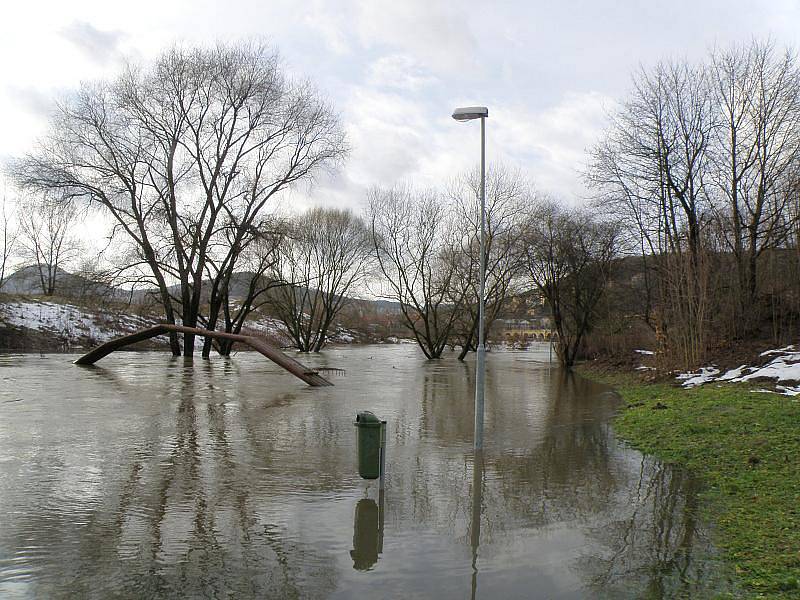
[367,533]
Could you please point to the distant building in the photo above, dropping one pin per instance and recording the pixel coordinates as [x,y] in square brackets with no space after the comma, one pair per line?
[538,328]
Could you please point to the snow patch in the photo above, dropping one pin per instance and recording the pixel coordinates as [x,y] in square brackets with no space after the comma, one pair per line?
[69,322]
[704,375]
[787,390]
[733,374]
[788,348]
[784,369]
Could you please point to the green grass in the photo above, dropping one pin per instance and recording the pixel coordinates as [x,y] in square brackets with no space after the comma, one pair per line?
[746,448]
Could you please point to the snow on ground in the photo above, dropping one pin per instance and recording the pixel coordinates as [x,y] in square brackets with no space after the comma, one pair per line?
[275,329]
[700,377]
[343,336]
[643,354]
[69,322]
[784,370]
[270,327]
[76,326]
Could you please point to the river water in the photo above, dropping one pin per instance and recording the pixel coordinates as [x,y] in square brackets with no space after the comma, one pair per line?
[146,476]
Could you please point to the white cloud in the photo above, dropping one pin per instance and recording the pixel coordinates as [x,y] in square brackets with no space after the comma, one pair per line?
[399,71]
[34,101]
[96,44]
[331,25]
[435,32]
[387,133]
[553,142]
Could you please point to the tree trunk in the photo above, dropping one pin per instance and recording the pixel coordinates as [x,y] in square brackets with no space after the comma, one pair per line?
[467,346]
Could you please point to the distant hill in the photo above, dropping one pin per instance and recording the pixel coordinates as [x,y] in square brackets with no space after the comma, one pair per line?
[26,282]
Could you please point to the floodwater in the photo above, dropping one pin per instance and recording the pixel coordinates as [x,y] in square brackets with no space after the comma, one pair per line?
[146,476]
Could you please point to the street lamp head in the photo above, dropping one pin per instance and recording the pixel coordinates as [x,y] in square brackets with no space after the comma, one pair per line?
[468,113]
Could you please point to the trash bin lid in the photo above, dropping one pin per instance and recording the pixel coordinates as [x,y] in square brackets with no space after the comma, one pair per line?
[367,419]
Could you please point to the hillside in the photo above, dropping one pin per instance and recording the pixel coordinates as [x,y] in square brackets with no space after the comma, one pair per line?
[57,325]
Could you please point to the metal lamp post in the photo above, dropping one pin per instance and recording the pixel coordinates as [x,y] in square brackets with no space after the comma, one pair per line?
[468,114]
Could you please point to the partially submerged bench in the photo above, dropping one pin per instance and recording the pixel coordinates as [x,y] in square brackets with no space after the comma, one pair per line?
[310,376]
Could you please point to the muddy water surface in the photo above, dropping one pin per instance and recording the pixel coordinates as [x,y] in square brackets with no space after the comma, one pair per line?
[146,476]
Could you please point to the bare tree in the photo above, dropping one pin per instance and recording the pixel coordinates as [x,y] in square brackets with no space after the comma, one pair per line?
[569,259]
[415,246]
[508,200]
[699,165]
[96,280]
[179,151]
[8,236]
[652,172]
[323,257]
[237,293]
[757,144]
[48,239]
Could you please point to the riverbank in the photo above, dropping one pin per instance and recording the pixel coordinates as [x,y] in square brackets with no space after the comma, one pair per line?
[745,445]
[49,324]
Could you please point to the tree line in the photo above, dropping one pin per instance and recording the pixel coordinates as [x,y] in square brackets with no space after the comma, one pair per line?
[700,166]
[186,157]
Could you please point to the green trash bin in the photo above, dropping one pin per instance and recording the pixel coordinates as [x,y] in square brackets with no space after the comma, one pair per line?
[368,441]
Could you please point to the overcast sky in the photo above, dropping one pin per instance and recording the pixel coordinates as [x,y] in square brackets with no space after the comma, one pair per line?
[549,71]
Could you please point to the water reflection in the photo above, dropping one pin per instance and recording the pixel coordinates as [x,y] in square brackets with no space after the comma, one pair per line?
[661,533]
[367,533]
[475,521]
[151,477]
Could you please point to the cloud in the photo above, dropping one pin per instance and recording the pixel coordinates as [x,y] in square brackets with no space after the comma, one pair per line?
[331,27]
[33,100]
[399,71]
[388,134]
[435,32]
[97,45]
[552,143]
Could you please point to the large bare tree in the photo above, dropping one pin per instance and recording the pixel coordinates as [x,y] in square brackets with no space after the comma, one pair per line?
[569,260]
[323,257]
[509,198]
[8,234]
[756,149]
[180,151]
[415,244]
[652,173]
[699,165]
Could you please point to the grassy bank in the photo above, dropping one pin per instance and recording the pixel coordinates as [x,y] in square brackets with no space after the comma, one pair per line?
[746,448]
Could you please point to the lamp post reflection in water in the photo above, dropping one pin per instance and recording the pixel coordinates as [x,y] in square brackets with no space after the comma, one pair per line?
[367,533]
[475,521]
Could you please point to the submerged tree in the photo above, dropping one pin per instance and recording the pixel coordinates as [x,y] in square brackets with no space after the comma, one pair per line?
[414,243]
[185,155]
[508,200]
[322,258]
[246,272]
[569,259]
